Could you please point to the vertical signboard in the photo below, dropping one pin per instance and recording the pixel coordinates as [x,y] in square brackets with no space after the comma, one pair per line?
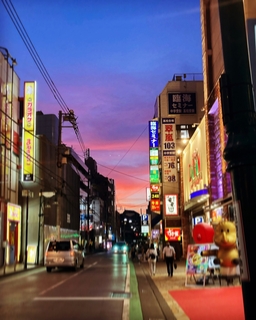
[153,165]
[28,140]
[169,150]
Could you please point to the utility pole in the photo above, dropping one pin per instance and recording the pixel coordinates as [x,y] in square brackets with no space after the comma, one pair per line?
[59,177]
[239,118]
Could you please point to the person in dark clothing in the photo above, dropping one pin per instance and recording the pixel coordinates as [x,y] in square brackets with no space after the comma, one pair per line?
[169,255]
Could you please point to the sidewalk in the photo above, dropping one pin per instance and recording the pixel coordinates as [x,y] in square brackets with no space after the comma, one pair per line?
[15,268]
[165,284]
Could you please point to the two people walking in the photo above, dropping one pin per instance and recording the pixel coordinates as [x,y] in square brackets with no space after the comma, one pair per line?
[169,255]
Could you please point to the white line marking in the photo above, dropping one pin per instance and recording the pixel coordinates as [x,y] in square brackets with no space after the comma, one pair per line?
[126,306]
[76,298]
[60,283]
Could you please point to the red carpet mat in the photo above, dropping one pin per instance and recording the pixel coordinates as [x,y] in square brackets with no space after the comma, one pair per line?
[211,303]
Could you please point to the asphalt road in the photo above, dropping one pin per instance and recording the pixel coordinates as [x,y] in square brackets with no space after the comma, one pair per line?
[95,292]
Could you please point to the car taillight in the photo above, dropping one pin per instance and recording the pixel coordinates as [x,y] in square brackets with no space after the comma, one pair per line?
[72,253]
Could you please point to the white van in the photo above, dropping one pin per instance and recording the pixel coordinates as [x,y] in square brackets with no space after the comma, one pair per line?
[63,253]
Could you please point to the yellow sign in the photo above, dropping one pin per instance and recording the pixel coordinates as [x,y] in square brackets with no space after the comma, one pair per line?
[29,131]
[32,254]
[29,105]
[28,156]
[13,212]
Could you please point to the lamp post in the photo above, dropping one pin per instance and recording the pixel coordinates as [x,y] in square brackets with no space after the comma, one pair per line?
[27,194]
[45,194]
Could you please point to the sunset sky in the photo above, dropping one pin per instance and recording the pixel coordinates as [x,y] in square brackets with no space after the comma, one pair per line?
[109,60]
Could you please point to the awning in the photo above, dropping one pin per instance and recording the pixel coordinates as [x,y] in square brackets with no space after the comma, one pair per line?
[156,220]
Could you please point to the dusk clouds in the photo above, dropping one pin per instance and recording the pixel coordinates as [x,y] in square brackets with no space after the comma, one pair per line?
[109,60]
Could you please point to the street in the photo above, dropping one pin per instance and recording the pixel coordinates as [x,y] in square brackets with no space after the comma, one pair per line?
[95,292]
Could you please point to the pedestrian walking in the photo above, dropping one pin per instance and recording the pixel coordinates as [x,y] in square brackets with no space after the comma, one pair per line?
[139,254]
[169,255]
[152,256]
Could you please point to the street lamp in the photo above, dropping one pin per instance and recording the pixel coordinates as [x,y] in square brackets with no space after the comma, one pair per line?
[28,194]
[45,194]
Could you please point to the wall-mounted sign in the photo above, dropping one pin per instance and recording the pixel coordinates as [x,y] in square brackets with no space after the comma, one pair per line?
[155,233]
[172,234]
[171,204]
[182,103]
[199,219]
[28,135]
[154,174]
[169,150]
[155,205]
[153,156]
[144,219]
[153,134]
[145,229]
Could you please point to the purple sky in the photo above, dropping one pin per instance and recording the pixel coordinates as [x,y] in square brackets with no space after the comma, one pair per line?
[109,60]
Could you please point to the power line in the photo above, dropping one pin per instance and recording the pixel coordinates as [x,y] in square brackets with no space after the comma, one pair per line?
[127,151]
[41,67]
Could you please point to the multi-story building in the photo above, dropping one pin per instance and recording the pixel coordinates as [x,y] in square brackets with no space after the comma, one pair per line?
[204,192]
[103,197]
[178,111]
[10,211]
[45,188]
[220,202]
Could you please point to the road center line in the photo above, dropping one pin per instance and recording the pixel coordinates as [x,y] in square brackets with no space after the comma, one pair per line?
[76,298]
[61,282]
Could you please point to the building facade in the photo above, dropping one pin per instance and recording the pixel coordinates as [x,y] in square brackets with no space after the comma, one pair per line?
[10,210]
[178,111]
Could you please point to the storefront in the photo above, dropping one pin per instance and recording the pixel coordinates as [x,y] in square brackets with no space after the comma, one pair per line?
[13,234]
[195,181]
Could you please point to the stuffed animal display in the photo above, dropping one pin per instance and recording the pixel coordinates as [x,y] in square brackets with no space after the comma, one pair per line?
[227,254]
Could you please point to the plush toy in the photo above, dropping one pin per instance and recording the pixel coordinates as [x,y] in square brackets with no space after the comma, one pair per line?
[227,255]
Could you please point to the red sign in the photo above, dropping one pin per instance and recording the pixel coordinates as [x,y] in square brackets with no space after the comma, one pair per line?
[155,205]
[154,187]
[172,234]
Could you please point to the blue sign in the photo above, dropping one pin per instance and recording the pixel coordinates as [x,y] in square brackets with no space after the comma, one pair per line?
[198,220]
[153,134]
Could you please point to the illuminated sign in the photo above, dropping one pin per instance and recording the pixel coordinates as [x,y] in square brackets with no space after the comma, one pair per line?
[172,234]
[171,204]
[169,150]
[28,155]
[13,212]
[153,156]
[154,174]
[145,229]
[29,131]
[154,187]
[155,205]
[153,134]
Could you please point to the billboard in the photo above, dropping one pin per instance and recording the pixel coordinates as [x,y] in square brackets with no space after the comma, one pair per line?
[28,136]
[171,204]
[182,103]
[169,150]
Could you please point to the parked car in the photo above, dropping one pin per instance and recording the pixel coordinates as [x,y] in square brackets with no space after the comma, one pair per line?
[120,247]
[63,253]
